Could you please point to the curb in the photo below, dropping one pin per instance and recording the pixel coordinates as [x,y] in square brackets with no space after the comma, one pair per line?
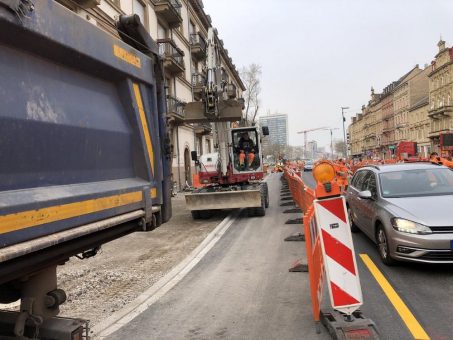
[165,284]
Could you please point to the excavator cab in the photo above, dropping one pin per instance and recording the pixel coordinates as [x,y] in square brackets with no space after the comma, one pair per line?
[245,150]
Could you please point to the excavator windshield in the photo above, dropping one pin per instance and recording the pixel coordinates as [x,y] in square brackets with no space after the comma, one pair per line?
[245,150]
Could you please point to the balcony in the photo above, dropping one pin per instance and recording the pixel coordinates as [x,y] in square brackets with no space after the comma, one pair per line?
[231,91]
[198,82]
[202,129]
[169,11]
[441,112]
[172,55]
[387,116]
[175,109]
[198,46]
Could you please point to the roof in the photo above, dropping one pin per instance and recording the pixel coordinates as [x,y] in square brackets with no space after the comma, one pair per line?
[403,166]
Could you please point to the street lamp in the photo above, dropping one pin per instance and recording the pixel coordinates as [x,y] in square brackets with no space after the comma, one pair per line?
[331,142]
[344,131]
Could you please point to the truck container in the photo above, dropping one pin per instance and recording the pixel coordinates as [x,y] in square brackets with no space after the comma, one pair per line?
[406,149]
[84,154]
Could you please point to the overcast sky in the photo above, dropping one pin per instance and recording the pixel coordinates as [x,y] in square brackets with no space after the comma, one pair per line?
[319,55]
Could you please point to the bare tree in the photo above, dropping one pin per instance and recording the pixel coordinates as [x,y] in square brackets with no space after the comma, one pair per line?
[339,147]
[250,75]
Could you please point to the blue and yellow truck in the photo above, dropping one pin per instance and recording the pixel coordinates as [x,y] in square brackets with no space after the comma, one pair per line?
[84,151]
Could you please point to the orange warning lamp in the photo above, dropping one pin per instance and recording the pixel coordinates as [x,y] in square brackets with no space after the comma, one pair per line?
[324,174]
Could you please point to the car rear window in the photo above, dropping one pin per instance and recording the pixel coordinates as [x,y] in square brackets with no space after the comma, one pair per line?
[420,182]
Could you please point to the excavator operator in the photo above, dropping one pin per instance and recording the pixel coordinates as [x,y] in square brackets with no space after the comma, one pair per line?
[246,148]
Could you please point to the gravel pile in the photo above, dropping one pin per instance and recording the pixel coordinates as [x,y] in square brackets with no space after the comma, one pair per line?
[124,268]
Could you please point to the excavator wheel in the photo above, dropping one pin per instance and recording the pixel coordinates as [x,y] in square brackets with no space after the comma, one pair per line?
[261,211]
[202,214]
[266,190]
[195,214]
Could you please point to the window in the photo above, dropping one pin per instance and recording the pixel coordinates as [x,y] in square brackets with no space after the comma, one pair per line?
[161,32]
[358,179]
[370,184]
[192,28]
[140,9]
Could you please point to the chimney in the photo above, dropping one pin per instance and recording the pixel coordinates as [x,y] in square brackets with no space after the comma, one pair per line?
[441,45]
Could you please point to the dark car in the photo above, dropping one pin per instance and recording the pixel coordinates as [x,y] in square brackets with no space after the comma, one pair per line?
[406,209]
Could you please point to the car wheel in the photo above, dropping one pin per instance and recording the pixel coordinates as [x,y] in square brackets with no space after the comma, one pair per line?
[352,225]
[383,246]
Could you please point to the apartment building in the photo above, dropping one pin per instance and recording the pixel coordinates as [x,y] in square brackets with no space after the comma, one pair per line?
[440,95]
[180,29]
[387,120]
[419,126]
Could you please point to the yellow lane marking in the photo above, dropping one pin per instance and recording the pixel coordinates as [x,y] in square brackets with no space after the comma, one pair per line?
[126,56]
[32,218]
[141,110]
[409,319]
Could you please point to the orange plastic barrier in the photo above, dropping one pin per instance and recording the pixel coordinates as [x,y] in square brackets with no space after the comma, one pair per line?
[314,260]
[442,161]
[303,197]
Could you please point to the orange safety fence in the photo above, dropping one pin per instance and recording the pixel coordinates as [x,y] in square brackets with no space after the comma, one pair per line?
[303,197]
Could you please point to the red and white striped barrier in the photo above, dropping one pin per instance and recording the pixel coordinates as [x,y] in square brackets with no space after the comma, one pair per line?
[338,252]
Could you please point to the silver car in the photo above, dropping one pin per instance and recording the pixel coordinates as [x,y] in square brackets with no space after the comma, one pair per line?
[308,166]
[406,209]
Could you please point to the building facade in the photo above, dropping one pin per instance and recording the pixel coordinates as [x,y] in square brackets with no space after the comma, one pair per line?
[440,95]
[278,129]
[419,126]
[180,29]
[391,117]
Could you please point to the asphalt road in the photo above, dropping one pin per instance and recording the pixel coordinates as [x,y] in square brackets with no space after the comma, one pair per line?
[426,289]
[240,290]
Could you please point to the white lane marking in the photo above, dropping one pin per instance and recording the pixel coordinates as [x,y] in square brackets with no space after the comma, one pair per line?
[160,288]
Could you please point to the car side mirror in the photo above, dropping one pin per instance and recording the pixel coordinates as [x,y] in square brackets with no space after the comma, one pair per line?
[265,130]
[366,195]
[194,156]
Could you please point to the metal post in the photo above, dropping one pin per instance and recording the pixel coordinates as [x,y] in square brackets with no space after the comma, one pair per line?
[331,144]
[344,131]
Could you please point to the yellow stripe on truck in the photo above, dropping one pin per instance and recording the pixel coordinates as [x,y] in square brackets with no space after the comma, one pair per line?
[32,218]
[141,110]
